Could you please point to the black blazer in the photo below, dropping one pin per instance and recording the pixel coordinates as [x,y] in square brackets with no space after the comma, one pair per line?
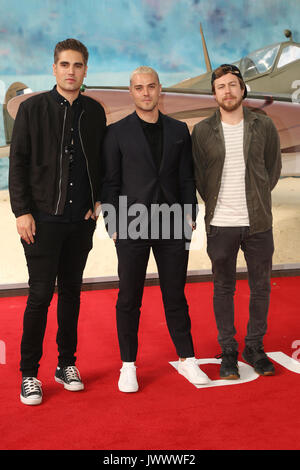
[129,168]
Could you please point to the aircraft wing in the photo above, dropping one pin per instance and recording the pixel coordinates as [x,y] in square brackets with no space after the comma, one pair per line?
[192,107]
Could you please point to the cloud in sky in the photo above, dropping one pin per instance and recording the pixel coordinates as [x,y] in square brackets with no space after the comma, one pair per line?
[122,34]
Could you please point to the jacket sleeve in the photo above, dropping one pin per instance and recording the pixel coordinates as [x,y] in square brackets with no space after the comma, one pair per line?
[198,157]
[112,175]
[19,165]
[102,124]
[186,174]
[272,154]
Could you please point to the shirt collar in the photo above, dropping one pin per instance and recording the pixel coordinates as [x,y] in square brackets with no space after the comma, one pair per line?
[61,99]
[158,123]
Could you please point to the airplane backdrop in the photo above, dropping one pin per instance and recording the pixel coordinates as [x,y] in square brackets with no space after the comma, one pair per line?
[165,34]
[122,34]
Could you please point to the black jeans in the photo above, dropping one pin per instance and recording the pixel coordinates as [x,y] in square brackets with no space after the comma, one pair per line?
[223,244]
[171,258]
[59,252]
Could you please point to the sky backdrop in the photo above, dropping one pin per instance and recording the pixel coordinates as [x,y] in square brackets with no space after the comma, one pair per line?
[123,34]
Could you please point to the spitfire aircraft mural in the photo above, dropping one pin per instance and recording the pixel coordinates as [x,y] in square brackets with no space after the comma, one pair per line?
[274,69]
[272,75]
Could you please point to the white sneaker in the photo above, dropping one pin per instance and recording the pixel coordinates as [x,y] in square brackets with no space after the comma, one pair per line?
[127,381]
[192,372]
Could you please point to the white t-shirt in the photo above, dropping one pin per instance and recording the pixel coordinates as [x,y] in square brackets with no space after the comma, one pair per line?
[231,209]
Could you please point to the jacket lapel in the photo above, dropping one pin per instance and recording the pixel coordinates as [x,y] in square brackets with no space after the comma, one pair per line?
[249,118]
[167,139]
[218,131]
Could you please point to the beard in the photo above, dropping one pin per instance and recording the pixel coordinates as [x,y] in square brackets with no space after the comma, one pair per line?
[230,107]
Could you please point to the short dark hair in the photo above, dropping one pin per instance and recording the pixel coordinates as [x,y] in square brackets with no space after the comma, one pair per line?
[224,69]
[71,44]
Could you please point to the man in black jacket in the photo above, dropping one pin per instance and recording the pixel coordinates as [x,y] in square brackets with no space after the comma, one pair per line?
[149,173]
[54,188]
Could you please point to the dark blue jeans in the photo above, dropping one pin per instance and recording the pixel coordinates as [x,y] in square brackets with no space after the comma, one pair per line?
[223,244]
[59,252]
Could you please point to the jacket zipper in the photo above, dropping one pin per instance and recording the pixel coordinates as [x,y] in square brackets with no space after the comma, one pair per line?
[61,156]
[86,160]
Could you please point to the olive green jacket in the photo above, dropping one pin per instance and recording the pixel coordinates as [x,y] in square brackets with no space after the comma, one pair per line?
[262,159]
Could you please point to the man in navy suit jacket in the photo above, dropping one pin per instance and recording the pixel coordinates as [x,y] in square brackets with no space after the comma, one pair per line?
[149,187]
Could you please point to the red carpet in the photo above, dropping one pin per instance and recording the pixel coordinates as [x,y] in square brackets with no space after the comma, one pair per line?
[168,412]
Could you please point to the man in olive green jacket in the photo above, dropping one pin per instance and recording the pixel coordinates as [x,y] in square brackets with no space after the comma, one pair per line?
[237,163]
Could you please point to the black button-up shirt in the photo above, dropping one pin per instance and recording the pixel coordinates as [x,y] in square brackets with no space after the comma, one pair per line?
[78,197]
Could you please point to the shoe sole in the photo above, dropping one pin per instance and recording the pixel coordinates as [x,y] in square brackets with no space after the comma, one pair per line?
[128,391]
[31,401]
[201,381]
[71,388]
[230,377]
[265,374]
[262,374]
